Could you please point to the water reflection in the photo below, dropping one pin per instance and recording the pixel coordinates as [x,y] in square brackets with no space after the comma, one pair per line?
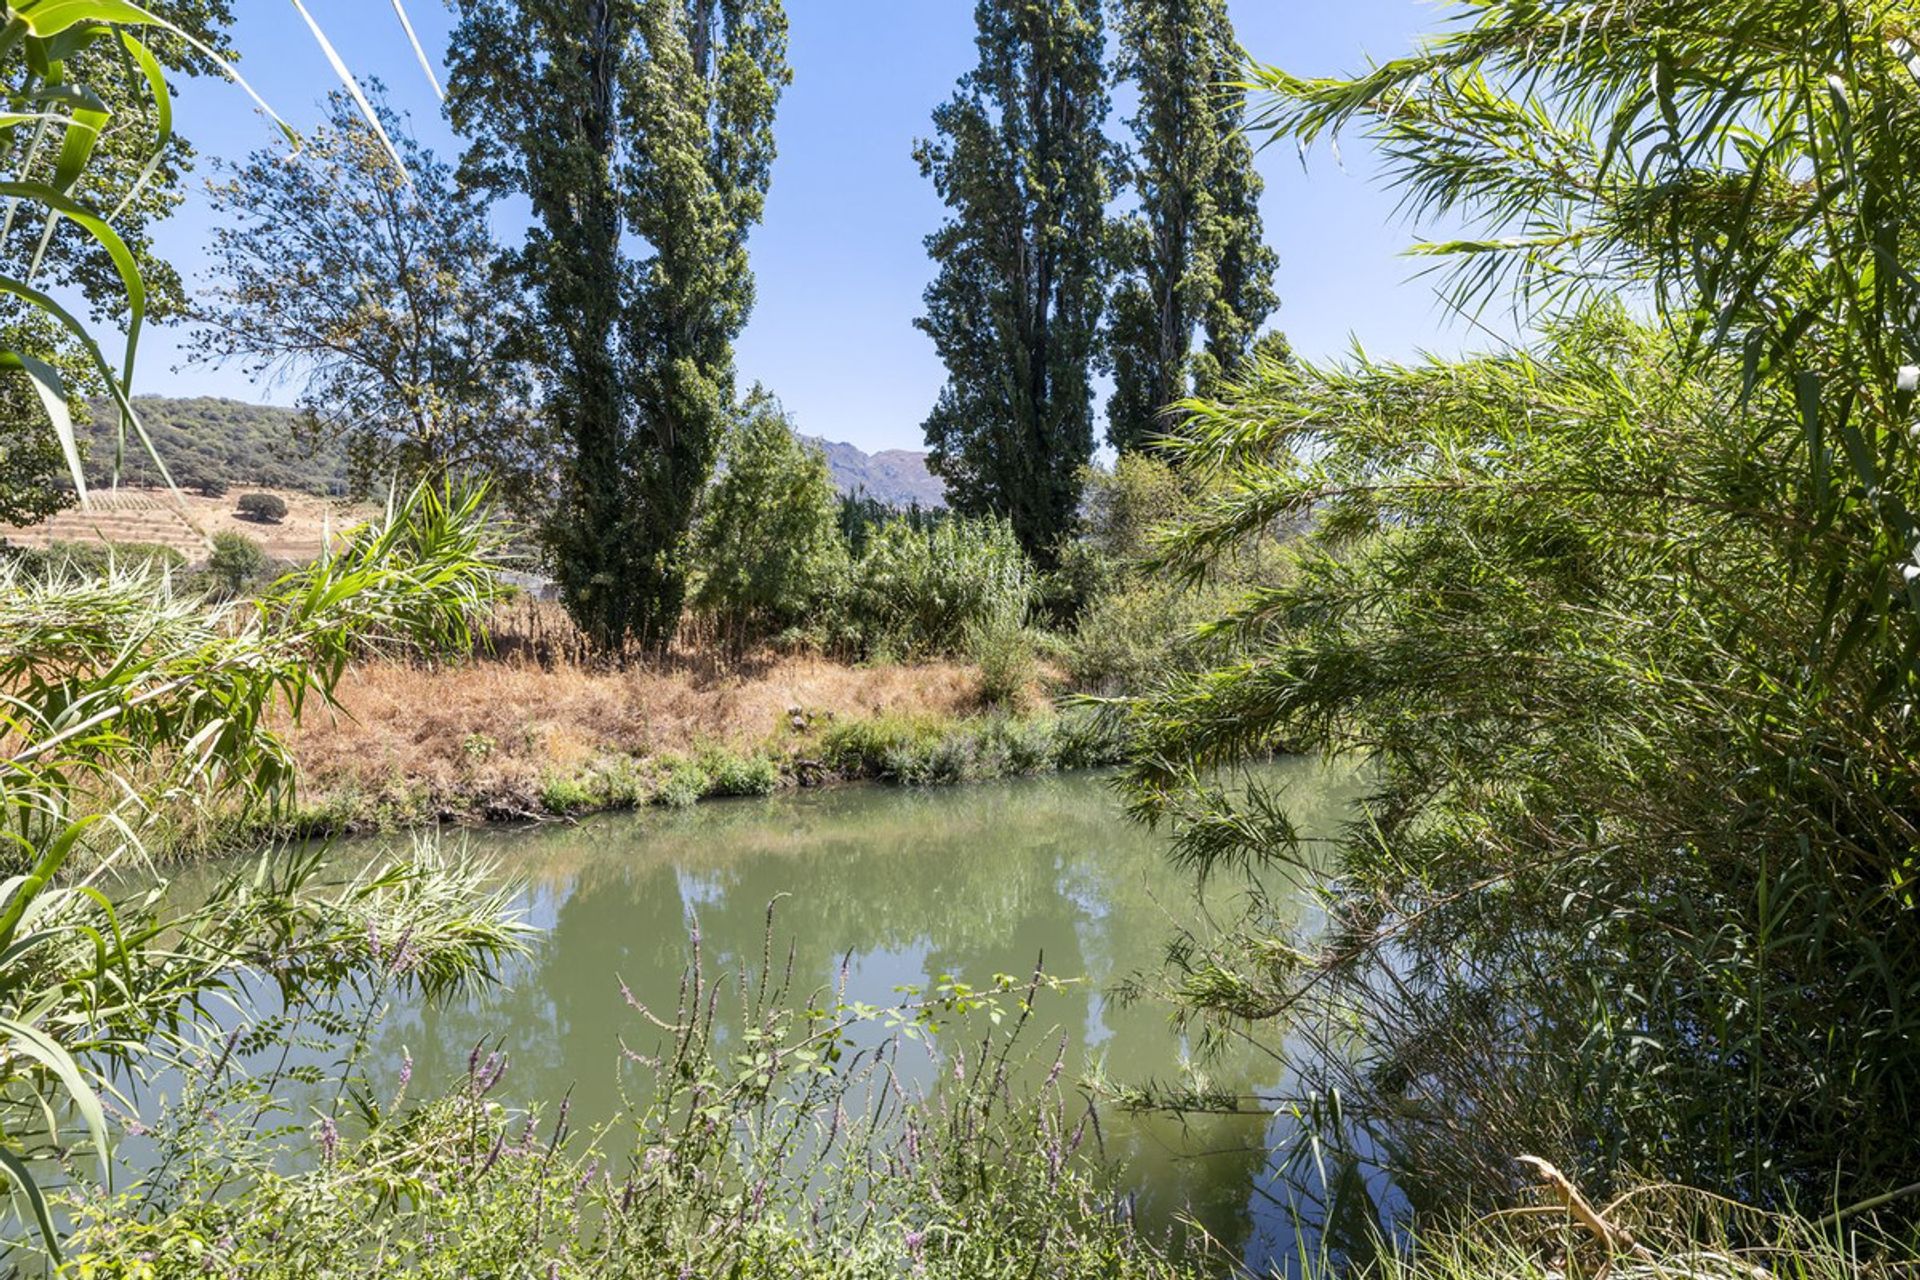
[901,888]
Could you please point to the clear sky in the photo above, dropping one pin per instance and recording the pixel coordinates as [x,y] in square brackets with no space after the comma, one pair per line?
[839,261]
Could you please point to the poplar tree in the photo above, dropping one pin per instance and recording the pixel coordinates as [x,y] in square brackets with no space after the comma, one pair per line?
[1192,260]
[1020,159]
[641,131]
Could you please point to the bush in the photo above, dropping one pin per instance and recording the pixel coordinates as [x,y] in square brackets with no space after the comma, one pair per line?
[684,785]
[237,561]
[768,547]
[565,795]
[263,508]
[1002,648]
[734,775]
[917,590]
[94,559]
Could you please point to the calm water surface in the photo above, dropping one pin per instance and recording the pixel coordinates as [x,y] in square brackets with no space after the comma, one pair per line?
[903,888]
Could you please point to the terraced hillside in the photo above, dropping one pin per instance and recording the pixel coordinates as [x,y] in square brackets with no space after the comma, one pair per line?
[186,524]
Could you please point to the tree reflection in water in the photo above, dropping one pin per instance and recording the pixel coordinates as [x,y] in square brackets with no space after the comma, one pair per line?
[895,888]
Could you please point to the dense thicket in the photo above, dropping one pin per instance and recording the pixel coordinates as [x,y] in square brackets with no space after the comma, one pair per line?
[1626,623]
[1191,261]
[642,133]
[1020,159]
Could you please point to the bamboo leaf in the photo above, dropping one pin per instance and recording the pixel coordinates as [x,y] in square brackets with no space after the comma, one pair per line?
[29,1188]
[31,1042]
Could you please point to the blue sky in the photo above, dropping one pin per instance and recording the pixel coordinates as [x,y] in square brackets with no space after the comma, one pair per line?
[839,261]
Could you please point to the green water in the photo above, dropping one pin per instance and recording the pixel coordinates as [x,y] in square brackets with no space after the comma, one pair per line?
[901,888]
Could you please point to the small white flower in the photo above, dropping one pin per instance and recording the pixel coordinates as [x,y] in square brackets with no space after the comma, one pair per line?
[1910,571]
[1909,379]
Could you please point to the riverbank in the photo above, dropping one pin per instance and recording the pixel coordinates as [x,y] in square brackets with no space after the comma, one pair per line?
[494,742]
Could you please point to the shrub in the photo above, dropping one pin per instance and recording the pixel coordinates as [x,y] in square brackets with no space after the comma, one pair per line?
[768,547]
[263,508]
[917,590]
[684,785]
[237,561]
[94,559]
[563,795]
[1003,650]
[735,775]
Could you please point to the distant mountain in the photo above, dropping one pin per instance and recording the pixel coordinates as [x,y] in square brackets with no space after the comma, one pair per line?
[897,477]
[205,439]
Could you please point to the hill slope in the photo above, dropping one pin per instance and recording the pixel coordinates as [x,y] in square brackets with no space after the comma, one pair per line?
[204,439]
[207,439]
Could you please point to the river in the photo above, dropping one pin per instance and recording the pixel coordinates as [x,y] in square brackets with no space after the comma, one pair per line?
[882,888]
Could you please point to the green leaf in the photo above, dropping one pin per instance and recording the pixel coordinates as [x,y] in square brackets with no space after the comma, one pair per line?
[123,260]
[30,1041]
[53,398]
[16,1169]
[51,17]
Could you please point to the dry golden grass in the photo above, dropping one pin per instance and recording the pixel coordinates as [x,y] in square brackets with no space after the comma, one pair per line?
[498,727]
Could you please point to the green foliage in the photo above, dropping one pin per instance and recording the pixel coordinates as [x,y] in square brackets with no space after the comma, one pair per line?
[1134,625]
[926,751]
[267,508]
[212,445]
[919,588]
[648,122]
[789,1152]
[407,370]
[34,480]
[1544,592]
[1626,622]
[1002,647]
[127,703]
[236,562]
[565,795]
[683,785]
[1015,309]
[72,560]
[730,774]
[1192,258]
[768,548]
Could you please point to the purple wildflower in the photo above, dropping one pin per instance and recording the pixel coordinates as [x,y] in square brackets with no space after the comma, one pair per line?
[329,1139]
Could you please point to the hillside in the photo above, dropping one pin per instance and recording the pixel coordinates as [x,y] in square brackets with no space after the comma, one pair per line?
[154,517]
[206,439]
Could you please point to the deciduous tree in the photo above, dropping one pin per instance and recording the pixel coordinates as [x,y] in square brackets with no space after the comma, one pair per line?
[1020,159]
[1192,256]
[642,133]
[371,288]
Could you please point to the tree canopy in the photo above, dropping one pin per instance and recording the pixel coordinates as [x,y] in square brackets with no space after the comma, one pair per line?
[642,132]
[372,288]
[1191,260]
[1020,159]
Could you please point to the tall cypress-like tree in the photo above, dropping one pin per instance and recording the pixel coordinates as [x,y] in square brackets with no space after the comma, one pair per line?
[1021,160]
[627,123]
[1192,257]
